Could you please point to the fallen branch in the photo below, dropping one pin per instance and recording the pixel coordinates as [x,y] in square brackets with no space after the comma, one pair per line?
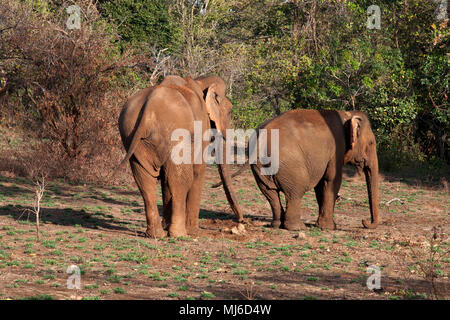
[392,200]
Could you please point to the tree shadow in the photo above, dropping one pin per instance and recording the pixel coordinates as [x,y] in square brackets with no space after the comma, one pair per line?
[65,217]
[350,282]
[98,220]
[430,181]
[22,189]
[110,200]
[19,187]
[215,215]
[322,286]
[127,192]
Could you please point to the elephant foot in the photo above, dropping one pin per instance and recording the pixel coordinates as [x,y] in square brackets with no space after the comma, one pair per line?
[370,225]
[156,233]
[192,226]
[276,224]
[326,224]
[177,232]
[294,226]
[192,231]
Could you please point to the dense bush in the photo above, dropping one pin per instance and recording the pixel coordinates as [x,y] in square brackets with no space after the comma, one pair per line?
[320,54]
[66,87]
[142,21]
[62,86]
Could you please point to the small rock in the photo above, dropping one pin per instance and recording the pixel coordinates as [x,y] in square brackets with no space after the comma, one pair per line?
[241,228]
[234,230]
[300,235]
[238,230]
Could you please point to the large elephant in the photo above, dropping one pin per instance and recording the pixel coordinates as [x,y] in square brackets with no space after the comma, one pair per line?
[146,124]
[313,147]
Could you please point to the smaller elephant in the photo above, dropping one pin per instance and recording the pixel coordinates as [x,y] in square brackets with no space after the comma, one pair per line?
[313,147]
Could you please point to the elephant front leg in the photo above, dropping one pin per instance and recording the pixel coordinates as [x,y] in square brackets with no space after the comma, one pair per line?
[147,186]
[293,215]
[326,192]
[193,200]
[177,227]
[192,211]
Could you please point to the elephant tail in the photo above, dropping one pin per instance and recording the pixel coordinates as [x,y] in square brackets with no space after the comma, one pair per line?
[267,180]
[246,165]
[144,130]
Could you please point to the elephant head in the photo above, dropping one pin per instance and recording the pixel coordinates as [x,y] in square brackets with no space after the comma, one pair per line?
[362,152]
[219,112]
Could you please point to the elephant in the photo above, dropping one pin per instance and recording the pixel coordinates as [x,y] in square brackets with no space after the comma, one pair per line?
[146,124]
[314,145]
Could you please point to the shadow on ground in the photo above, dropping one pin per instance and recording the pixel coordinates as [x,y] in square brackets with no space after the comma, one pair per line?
[72,217]
[64,217]
[314,285]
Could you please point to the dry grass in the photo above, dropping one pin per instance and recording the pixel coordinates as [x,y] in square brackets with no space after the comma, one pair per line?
[100,229]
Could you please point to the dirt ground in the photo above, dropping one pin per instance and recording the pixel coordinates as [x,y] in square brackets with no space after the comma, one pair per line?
[100,230]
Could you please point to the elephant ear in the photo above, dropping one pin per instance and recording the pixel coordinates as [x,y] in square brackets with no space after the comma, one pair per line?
[355,129]
[212,106]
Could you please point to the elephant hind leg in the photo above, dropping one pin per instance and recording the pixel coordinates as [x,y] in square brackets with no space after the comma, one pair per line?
[273,196]
[179,181]
[326,192]
[147,186]
[167,201]
[293,214]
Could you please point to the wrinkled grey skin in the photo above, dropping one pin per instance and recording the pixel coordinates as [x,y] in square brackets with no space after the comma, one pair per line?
[313,147]
[146,123]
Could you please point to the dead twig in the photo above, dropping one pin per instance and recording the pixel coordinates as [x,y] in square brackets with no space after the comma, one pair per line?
[39,191]
[429,259]
[249,292]
[392,200]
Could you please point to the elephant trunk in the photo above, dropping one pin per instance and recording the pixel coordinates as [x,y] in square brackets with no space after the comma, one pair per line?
[239,171]
[371,173]
[225,176]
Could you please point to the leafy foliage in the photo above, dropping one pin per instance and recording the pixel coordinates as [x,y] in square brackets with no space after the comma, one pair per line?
[274,55]
[142,21]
